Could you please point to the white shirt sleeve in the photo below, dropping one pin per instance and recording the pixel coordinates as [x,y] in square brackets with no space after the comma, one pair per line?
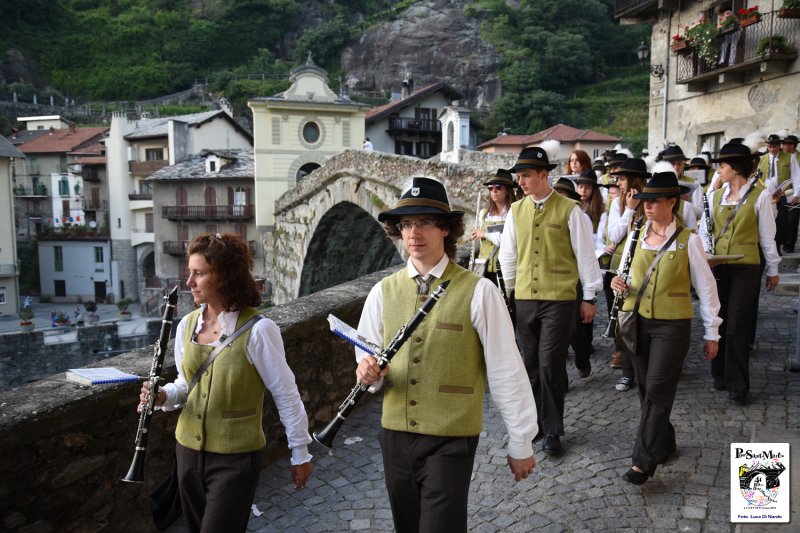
[618,224]
[508,381]
[794,173]
[176,391]
[697,202]
[600,236]
[706,288]
[766,233]
[689,216]
[582,238]
[508,252]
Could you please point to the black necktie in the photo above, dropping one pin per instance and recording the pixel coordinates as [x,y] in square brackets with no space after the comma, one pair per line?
[422,285]
[772,173]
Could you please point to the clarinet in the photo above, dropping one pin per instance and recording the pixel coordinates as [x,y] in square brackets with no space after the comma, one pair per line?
[326,436]
[136,472]
[624,271]
[709,226]
[473,251]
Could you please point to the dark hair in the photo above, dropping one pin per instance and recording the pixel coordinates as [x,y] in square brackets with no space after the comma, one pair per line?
[595,206]
[230,261]
[634,182]
[583,158]
[742,166]
[511,197]
[455,225]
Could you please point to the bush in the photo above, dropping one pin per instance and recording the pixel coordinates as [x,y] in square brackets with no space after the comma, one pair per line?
[91,306]
[26,313]
[123,304]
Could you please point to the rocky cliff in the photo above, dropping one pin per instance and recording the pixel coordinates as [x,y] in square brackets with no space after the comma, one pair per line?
[435,41]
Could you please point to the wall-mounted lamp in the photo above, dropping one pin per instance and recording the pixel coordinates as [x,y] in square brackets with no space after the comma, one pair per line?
[643,51]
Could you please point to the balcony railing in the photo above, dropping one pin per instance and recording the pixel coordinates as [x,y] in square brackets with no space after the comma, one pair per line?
[145,168]
[40,190]
[772,41]
[95,205]
[208,212]
[180,247]
[413,125]
[8,269]
[633,8]
[140,196]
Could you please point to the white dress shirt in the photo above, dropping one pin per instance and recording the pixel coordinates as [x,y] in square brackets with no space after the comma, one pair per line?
[766,223]
[581,238]
[794,173]
[265,352]
[700,274]
[618,224]
[508,381]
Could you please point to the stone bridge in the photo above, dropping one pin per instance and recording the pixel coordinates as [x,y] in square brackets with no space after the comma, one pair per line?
[326,228]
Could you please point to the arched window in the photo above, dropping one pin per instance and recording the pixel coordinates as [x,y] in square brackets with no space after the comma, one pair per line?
[305,170]
[451,136]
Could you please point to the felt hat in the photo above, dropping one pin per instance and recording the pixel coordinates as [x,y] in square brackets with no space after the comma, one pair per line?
[789,139]
[587,177]
[425,196]
[501,177]
[533,157]
[774,139]
[617,159]
[673,152]
[697,162]
[662,185]
[568,186]
[633,167]
[733,151]
[599,165]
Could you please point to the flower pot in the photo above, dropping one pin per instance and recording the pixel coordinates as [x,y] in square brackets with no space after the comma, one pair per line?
[680,47]
[789,13]
[752,19]
[26,327]
[124,316]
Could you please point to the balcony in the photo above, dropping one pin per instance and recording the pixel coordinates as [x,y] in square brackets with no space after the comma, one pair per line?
[95,205]
[8,269]
[145,168]
[208,212]
[39,191]
[768,46]
[415,126]
[179,248]
[140,196]
[642,8]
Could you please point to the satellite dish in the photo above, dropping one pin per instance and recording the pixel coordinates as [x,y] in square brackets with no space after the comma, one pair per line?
[92,224]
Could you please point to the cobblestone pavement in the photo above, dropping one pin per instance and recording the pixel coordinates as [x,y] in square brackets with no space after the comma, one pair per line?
[582,490]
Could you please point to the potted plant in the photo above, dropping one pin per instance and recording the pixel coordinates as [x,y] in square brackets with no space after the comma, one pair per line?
[703,38]
[62,319]
[679,44]
[790,9]
[25,316]
[728,25]
[122,306]
[748,16]
[773,44]
[91,312]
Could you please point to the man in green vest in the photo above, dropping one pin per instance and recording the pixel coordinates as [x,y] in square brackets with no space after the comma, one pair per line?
[547,247]
[789,146]
[436,383]
[781,172]
[674,154]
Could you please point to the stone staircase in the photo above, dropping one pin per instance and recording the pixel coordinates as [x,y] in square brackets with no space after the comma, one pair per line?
[790,275]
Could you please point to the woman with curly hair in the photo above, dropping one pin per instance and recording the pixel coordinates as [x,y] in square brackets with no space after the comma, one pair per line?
[220,435]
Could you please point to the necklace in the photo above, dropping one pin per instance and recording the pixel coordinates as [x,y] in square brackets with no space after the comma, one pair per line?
[657,233]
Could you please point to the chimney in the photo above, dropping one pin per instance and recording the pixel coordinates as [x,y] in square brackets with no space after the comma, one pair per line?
[72,127]
[404,92]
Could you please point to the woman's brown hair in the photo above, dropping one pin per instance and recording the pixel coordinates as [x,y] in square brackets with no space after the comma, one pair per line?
[583,158]
[455,225]
[595,206]
[230,261]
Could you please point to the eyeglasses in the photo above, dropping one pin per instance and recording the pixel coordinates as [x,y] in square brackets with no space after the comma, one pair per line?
[406,225]
[494,187]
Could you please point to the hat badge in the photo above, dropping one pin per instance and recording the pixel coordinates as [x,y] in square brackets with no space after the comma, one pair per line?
[414,191]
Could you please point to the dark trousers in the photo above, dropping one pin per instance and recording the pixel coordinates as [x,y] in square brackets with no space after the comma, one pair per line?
[782,223]
[754,320]
[217,489]
[792,219]
[661,347]
[427,478]
[581,338]
[737,286]
[544,328]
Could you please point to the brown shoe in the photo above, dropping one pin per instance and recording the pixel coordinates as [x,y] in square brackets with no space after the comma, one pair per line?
[616,360]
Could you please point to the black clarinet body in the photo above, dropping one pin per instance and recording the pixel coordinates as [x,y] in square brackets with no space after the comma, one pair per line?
[624,271]
[326,436]
[136,472]
[709,226]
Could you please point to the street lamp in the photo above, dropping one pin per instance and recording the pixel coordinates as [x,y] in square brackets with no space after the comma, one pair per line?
[642,51]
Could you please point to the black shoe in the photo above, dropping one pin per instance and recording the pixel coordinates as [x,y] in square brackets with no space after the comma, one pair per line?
[585,372]
[637,478]
[740,398]
[552,444]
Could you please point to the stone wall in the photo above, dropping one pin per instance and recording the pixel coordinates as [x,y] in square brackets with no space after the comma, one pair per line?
[371,181]
[25,357]
[65,447]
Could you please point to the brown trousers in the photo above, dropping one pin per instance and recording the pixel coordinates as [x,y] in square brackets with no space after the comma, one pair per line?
[217,489]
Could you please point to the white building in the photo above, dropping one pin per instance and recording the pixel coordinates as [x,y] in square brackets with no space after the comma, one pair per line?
[9,285]
[70,270]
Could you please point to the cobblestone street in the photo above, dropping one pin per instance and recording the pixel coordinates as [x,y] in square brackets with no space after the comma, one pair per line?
[582,490]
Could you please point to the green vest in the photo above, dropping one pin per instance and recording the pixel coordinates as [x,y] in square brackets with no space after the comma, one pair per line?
[437,380]
[546,264]
[224,412]
[487,247]
[783,165]
[741,235]
[667,294]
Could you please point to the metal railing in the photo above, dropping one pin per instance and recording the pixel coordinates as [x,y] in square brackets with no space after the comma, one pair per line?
[8,269]
[742,49]
[140,196]
[175,247]
[414,125]
[208,212]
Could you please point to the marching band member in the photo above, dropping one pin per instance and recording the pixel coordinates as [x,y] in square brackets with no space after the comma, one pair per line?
[741,221]
[502,193]
[668,260]
[674,155]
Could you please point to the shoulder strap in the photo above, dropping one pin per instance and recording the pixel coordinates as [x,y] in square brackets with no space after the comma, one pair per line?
[653,266]
[218,350]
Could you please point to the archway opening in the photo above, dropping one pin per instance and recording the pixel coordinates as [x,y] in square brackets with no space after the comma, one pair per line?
[305,170]
[347,244]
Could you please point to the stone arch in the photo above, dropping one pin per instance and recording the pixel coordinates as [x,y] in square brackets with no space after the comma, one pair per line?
[303,161]
[305,170]
[347,244]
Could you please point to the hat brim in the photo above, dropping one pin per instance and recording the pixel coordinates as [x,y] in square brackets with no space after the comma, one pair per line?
[634,173]
[417,210]
[572,195]
[653,195]
[501,181]
[674,158]
[523,166]
[733,157]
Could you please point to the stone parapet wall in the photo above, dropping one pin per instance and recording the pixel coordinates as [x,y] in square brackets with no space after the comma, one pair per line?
[25,357]
[65,447]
